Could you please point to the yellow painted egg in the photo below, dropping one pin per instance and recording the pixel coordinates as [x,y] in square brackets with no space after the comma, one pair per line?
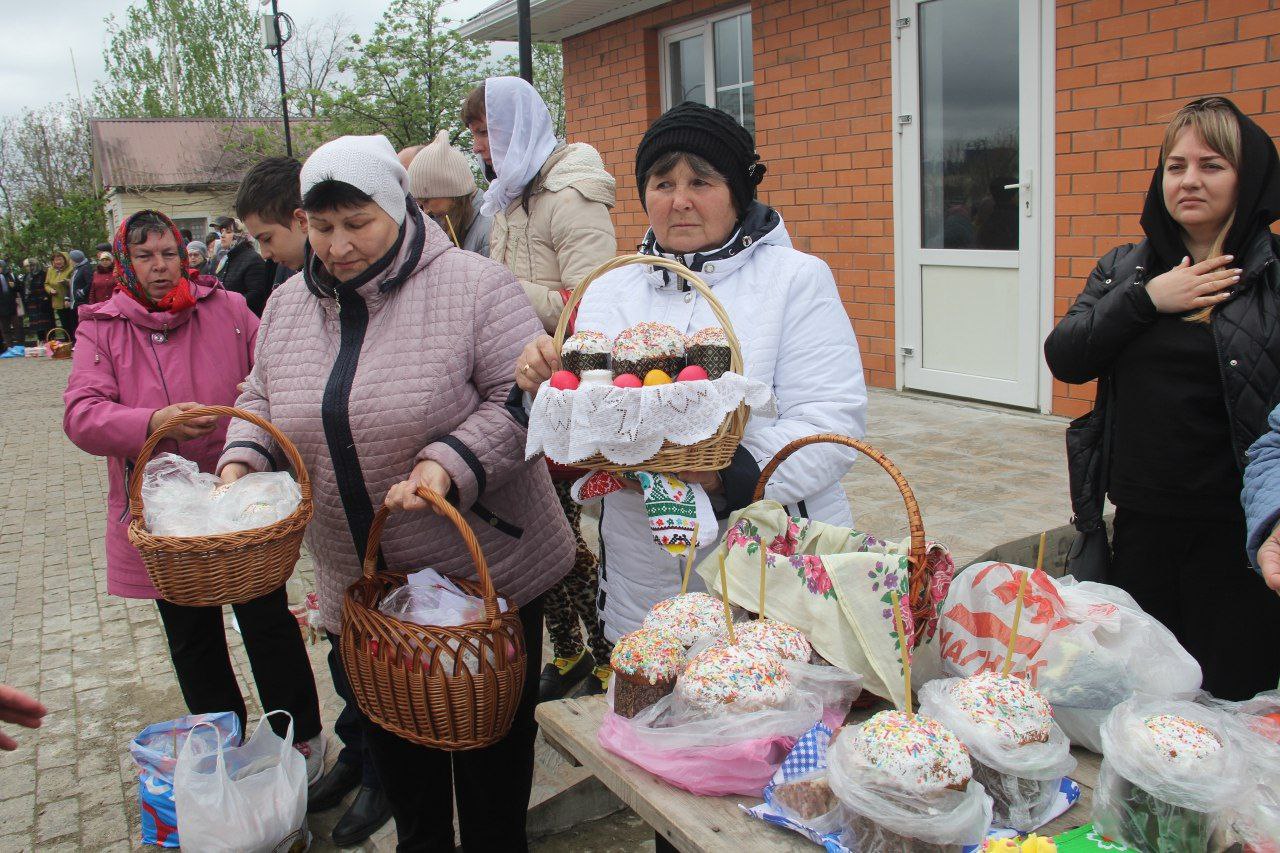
[656,377]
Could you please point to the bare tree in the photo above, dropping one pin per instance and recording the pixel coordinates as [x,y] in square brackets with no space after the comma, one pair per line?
[312,58]
[47,193]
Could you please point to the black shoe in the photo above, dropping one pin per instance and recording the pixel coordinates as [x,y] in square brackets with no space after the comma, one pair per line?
[365,817]
[595,684]
[330,788]
[555,685]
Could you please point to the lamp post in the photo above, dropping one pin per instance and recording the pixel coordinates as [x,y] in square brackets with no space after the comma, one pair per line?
[274,40]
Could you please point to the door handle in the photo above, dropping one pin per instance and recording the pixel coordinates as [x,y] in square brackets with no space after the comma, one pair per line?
[1025,187]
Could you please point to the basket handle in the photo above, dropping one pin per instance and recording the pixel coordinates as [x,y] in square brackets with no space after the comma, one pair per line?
[443,507]
[140,466]
[917,551]
[66,336]
[570,305]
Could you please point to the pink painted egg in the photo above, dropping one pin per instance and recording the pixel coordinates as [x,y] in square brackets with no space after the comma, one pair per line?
[563,380]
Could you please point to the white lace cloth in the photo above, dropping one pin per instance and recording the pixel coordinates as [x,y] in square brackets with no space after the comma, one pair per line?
[628,425]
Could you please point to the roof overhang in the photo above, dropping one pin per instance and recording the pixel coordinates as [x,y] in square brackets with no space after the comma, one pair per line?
[552,20]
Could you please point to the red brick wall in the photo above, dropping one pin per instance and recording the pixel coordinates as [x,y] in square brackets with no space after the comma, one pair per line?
[823,127]
[1123,68]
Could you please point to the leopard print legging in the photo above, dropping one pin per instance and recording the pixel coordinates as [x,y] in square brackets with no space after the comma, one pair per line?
[574,597]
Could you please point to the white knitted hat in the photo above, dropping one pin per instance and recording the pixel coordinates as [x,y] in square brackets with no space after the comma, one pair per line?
[440,171]
[368,163]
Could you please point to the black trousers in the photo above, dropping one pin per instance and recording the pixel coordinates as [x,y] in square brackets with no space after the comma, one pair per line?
[1193,576]
[350,724]
[277,655]
[67,320]
[491,784]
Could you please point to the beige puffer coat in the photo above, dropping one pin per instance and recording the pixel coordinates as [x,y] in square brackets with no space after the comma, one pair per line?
[566,232]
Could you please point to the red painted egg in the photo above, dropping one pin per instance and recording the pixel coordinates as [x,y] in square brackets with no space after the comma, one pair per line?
[692,373]
[628,380]
[563,380]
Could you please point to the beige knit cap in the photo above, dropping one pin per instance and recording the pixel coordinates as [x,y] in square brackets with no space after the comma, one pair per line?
[440,171]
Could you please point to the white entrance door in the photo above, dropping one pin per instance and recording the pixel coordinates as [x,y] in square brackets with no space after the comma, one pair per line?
[969,119]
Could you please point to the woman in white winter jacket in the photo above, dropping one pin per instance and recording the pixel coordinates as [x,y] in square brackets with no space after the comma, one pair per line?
[698,170]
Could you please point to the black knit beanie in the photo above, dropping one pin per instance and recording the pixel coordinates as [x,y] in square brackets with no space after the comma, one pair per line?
[711,134]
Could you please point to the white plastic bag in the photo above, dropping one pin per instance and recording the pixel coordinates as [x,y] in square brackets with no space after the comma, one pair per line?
[1023,781]
[1152,802]
[180,500]
[429,598]
[879,808]
[246,799]
[1255,816]
[1086,646]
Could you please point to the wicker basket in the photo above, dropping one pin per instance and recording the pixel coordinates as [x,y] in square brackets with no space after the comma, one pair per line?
[916,553]
[226,568]
[416,681]
[64,344]
[711,454]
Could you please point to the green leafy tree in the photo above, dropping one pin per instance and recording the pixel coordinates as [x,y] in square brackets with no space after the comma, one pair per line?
[409,79]
[178,58]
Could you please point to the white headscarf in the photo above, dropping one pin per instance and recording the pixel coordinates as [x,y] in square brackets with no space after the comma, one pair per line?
[520,139]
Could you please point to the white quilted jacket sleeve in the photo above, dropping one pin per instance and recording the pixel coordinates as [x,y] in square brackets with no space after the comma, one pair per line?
[487,448]
[819,385]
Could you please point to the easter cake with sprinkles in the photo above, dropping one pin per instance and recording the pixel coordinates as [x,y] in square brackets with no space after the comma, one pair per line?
[733,678]
[690,617]
[774,638]
[645,663]
[1009,708]
[1007,725]
[914,762]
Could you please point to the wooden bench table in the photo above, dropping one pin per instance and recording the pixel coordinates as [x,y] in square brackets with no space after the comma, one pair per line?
[694,824]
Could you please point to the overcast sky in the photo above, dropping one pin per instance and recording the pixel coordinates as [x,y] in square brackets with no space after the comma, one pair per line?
[38,42]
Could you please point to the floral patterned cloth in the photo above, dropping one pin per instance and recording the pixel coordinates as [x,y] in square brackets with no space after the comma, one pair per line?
[835,584]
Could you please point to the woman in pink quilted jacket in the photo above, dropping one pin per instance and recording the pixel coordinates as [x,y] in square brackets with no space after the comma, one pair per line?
[387,361]
[160,345]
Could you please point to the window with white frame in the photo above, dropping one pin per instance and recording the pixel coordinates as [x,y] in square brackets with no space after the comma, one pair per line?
[710,61]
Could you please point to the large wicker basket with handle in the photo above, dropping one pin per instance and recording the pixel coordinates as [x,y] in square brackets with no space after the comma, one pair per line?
[710,454]
[921,607]
[225,568]
[448,687]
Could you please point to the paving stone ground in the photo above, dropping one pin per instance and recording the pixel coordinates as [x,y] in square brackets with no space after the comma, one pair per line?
[100,664]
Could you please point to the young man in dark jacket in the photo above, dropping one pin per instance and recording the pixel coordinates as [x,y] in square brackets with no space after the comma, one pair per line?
[242,269]
[269,202]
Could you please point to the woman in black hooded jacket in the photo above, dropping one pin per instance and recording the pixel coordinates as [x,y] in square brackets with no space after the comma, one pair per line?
[1183,332]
